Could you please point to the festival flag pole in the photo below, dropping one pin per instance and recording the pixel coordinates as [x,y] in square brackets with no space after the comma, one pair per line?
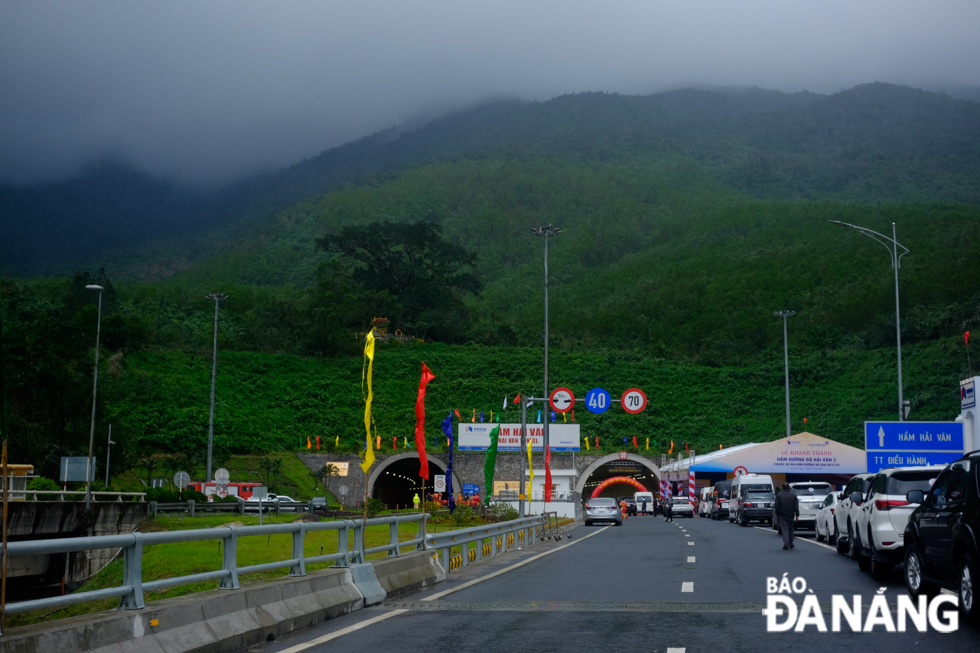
[966,339]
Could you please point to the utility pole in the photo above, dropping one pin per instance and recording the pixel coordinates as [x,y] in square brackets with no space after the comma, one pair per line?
[523,453]
[784,315]
[217,298]
[95,389]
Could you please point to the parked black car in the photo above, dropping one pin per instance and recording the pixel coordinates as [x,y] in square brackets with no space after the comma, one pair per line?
[941,537]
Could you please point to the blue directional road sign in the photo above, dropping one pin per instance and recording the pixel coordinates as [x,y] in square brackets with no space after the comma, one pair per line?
[470,489]
[904,444]
[597,400]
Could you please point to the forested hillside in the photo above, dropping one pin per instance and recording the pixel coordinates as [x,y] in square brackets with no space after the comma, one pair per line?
[687,219]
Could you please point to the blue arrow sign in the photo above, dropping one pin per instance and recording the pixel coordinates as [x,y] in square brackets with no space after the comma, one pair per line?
[597,400]
[905,444]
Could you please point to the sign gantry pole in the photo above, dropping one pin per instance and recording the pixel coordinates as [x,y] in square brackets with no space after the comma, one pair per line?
[524,403]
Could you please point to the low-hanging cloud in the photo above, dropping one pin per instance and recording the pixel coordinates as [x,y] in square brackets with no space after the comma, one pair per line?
[207,92]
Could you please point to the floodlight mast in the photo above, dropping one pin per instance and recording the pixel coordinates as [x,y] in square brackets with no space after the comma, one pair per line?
[892,245]
[546,231]
[784,315]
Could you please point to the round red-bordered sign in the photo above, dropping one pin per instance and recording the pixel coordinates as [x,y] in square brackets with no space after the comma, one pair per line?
[634,401]
[740,471]
[562,400]
[623,455]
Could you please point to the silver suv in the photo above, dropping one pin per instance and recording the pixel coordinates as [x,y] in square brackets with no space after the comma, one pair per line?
[811,495]
[879,523]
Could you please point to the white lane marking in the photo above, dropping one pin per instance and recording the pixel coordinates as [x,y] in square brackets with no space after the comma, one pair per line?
[798,539]
[688,535]
[342,632]
[690,543]
[350,629]
[687,587]
[676,650]
[691,559]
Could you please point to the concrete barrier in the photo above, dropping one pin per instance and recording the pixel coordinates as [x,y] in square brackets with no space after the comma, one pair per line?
[220,621]
[409,572]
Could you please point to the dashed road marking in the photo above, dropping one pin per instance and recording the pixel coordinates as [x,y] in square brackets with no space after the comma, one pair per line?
[691,559]
[690,543]
[688,535]
[687,587]
[676,650]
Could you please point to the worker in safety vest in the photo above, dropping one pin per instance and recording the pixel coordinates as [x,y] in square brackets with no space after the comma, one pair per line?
[622,506]
[416,500]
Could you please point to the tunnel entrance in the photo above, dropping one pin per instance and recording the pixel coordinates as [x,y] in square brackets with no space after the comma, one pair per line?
[628,468]
[397,483]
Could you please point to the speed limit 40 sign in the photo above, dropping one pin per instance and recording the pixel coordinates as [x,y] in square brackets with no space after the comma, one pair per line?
[634,401]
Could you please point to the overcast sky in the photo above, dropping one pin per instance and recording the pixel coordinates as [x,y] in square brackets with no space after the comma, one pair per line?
[207,91]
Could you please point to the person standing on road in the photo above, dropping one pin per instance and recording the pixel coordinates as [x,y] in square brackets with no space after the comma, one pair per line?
[416,500]
[668,510]
[623,508]
[787,512]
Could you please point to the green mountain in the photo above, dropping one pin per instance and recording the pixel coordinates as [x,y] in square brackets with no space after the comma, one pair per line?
[873,143]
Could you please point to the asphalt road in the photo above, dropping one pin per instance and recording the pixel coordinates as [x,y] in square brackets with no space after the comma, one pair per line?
[693,585]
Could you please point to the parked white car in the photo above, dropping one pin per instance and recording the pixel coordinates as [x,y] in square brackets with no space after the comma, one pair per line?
[704,502]
[878,526]
[825,526]
[842,516]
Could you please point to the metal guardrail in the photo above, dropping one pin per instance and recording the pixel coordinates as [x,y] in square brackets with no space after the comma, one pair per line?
[502,536]
[33,494]
[133,588]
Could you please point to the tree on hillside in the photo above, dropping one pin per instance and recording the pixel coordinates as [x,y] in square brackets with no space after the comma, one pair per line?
[415,265]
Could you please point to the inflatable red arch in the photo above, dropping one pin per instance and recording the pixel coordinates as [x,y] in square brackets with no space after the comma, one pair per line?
[617,479]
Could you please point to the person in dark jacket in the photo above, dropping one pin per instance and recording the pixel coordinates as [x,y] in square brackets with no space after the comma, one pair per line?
[787,512]
[668,510]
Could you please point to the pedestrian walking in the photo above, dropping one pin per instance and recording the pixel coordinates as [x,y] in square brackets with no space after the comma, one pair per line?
[416,500]
[668,510]
[787,512]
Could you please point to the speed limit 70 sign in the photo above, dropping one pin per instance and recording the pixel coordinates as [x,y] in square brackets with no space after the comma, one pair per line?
[634,401]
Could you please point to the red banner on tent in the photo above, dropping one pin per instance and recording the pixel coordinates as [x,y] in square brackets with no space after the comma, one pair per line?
[420,422]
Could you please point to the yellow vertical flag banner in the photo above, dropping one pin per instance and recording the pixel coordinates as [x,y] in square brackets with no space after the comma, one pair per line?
[336,442]
[586,443]
[530,467]
[369,363]
[648,444]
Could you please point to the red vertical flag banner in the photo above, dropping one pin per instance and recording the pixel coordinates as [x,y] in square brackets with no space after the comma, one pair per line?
[420,422]
[634,442]
[318,443]
[547,475]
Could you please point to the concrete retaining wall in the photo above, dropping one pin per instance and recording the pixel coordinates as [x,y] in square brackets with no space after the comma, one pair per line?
[220,621]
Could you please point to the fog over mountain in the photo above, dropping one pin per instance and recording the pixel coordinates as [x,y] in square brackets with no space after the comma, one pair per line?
[205,93]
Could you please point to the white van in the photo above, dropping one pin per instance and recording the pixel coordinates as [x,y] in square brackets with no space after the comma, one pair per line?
[704,501]
[643,498]
[741,485]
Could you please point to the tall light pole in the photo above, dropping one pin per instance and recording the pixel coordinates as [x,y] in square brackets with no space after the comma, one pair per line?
[892,245]
[546,231]
[784,315]
[95,388]
[217,298]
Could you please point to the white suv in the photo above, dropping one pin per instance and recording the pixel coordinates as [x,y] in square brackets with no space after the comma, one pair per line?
[842,516]
[879,523]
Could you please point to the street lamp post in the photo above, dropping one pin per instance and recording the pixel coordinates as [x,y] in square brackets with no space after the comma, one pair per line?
[217,298]
[546,231]
[95,388]
[108,449]
[892,245]
[784,315]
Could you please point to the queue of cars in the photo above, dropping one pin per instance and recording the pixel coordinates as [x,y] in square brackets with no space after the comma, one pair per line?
[924,519]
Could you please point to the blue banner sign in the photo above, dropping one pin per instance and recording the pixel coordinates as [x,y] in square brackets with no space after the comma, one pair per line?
[908,444]
[470,489]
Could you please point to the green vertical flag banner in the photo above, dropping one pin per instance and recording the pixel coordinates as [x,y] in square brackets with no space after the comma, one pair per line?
[490,463]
